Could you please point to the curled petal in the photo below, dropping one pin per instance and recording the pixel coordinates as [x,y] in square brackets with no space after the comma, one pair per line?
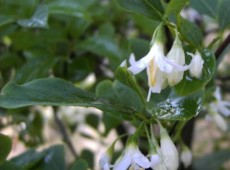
[141,160]
[138,66]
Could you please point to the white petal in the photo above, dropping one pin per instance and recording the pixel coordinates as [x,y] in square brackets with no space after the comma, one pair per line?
[104,162]
[220,122]
[217,94]
[141,160]
[169,152]
[222,107]
[155,160]
[125,161]
[196,65]
[138,66]
[123,64]
[186,157]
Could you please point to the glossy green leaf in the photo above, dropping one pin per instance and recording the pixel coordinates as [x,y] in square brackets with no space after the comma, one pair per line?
[38,20]
[79,164]
[174,7]
[178,108]
[212,161]
[207,7]
[56,92]
[190,32]
[149,8]
[124,76]
[190,84]
[5,146]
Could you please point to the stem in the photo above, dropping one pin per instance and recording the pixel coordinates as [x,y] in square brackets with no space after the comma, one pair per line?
[222,47]
[64,133]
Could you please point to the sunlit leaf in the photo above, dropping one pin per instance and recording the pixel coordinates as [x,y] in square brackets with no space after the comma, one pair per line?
[178,108]
[38,20]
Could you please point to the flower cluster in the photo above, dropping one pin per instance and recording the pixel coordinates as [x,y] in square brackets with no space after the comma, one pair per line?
[163,157]
[165,70]
[219,106]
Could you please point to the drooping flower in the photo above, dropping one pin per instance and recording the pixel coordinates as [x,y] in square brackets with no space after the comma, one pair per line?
[177,55]
[132,157]
[186,156]
[156,63]
[169,151]
[196,65]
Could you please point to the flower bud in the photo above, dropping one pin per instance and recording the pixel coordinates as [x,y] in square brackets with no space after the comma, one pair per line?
[186,156]
[168,150]
[177,55]
[196,65]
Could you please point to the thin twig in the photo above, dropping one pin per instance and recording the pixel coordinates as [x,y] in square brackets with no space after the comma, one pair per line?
[64,133]
[222,47]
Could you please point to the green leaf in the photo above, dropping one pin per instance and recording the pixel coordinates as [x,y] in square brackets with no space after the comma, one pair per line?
[178,108]
[149,8]
[72,8]
[55,92]
[5,20]
[79,164]
[119,93]
[124,76]
[38,20]
[5,146]
[54,159]
[110,122]
[103,45]
[190,84]
[7,165]
[28,159]
[174,7]
[207,7]
[190,32]
[212,161]
[224,14]
[32,69]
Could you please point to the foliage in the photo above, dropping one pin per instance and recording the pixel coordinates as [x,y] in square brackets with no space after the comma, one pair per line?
[48,49]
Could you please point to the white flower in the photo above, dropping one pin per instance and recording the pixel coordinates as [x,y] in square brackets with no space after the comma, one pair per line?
[104,162]
[155,160]
[168,150]
[177,55]
[196,65]
[220,122]
[132,157]
[186,156]
[221,105]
